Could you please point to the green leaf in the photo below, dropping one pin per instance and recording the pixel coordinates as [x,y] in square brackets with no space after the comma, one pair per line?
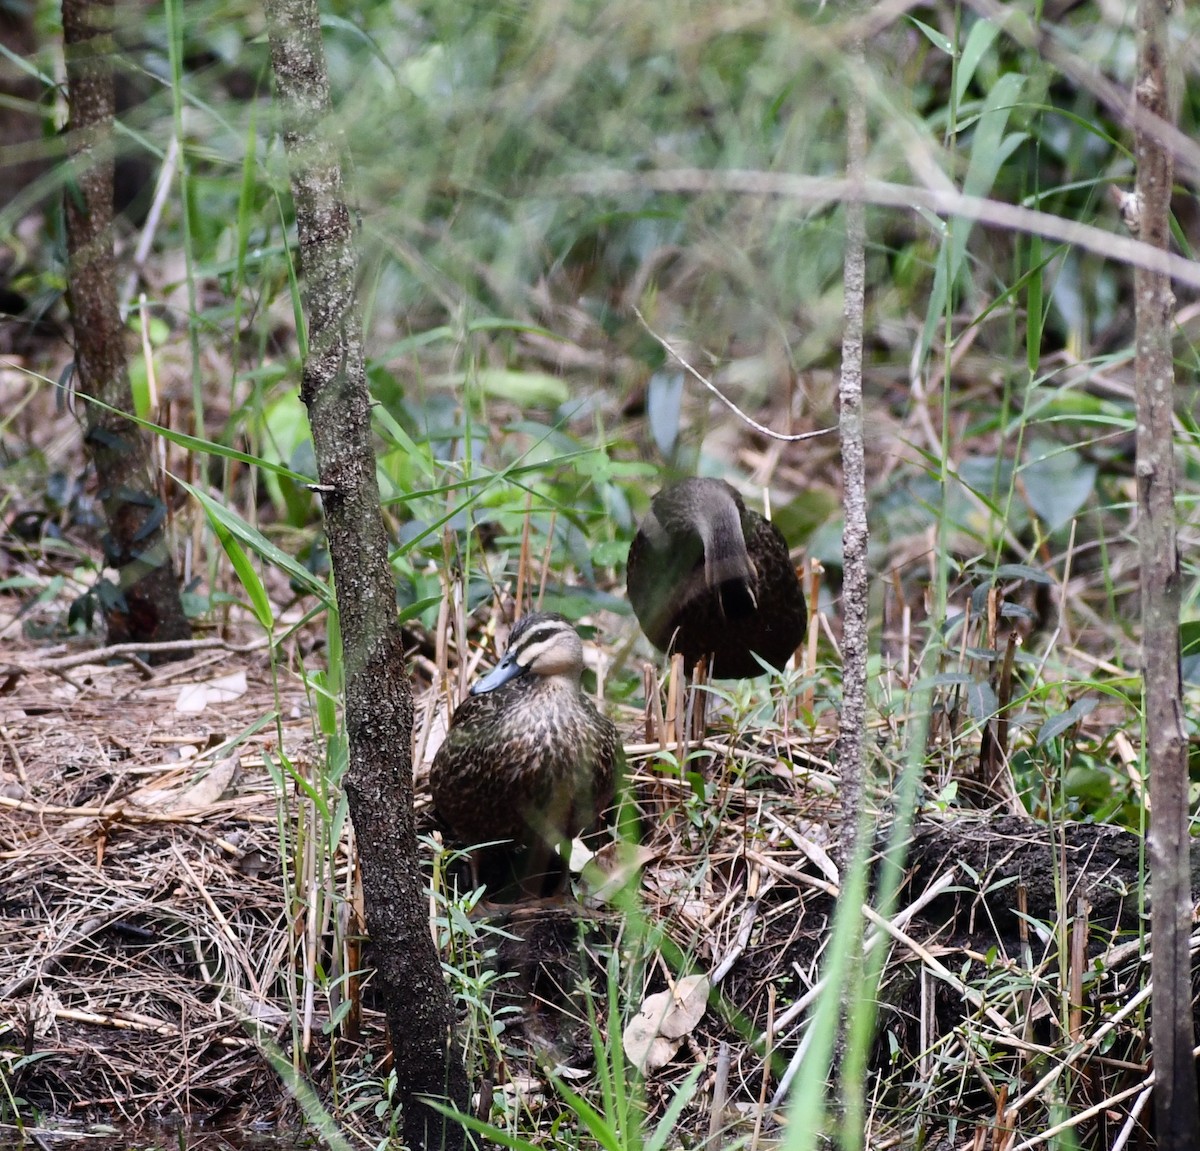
[415,609]
[1057,724]
[1087,783]
[944,679]
[259,544]
[666,1125]
[1034,314]
[358,35]
[981,37]
[1057,483]
[196,444]
[306,788]
[981,701]
[326,702]
[1022,571]
[940,42]
[989,149]
[1189,644]
[488,1130]
[260,603]
[525,389]
[390,429]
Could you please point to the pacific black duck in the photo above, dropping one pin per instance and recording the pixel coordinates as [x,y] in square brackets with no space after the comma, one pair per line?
[707,577]
[527,759]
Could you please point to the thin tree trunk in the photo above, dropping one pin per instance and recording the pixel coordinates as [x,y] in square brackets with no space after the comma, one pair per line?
[853,720]
[146,604]
[379,708]
[1176,1115]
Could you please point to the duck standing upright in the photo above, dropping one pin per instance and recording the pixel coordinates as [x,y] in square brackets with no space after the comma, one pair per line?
[707,577]
[527,758]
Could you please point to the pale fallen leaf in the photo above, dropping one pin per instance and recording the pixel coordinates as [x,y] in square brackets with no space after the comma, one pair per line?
[685,1007]
[195,697]
[654,1034]
[581,856]
[209,787]
[562,1071]
[260,1010]
[613,867]
[643,1045]
[11,787]
[201,794]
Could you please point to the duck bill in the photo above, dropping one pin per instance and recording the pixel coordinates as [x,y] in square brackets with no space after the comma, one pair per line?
[506,669]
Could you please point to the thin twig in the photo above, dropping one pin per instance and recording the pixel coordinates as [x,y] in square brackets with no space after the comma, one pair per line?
[762,429]
[127,650]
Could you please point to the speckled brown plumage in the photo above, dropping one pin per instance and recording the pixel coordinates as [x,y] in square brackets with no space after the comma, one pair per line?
[531,760]
[708,577]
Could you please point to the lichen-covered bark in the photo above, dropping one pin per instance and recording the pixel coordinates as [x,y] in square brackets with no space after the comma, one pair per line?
[1176,1112]
[379,710]
[149,607]
[853,724]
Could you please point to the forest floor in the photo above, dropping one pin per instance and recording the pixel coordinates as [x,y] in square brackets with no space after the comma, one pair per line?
[153,950]
[177,891]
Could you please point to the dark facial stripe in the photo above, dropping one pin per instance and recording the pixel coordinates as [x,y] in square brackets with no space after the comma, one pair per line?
[539,633]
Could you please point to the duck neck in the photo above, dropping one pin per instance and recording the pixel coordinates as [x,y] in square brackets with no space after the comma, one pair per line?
[725,557]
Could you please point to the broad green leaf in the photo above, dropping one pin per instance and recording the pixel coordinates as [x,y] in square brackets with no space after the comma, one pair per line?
[525,389]
[415,609]
[1087,783]
[944,679]
[1057,483]
[1022,571]
[981,700]
[1057,724]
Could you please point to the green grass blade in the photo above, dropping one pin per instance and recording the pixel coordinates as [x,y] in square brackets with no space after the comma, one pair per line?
[259,544]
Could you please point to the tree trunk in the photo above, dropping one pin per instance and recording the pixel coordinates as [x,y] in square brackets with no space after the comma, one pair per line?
[378,696]
[852,726]
[146,604]
[1176,1114]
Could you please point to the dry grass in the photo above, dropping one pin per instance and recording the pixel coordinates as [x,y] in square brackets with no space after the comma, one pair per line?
[146,936]
[149,952]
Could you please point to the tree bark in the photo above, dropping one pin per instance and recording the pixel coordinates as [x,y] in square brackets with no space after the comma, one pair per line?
[1175,1102]
[146,604]
[379,709]
[852,724]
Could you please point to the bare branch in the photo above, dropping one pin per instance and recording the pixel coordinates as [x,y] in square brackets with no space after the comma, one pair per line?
[762,429]
[828,190]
